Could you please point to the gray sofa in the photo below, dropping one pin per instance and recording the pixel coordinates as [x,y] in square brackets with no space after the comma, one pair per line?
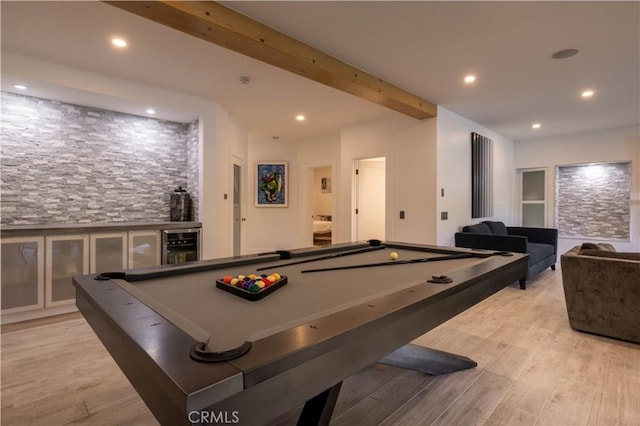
[602,291]
[541,244]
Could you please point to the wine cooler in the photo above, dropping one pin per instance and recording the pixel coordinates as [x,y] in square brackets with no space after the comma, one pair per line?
[180,246]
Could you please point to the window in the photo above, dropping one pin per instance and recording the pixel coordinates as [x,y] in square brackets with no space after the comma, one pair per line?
[533,199]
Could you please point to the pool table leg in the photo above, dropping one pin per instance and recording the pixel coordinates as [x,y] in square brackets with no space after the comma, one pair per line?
[318,410]
[427,360]
[523,283]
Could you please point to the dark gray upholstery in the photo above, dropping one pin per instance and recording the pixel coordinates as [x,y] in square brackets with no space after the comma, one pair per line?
[480,228]
[497,228]
[602,292]
[541,244]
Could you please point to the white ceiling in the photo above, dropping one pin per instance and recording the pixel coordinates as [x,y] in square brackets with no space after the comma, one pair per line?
[423,47]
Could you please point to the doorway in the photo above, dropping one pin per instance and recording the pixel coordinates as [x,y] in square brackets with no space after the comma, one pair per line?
[370,199]
[322,205]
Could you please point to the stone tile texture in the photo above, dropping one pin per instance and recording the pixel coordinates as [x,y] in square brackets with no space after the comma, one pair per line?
[593,200]
[67,164]
[193,174]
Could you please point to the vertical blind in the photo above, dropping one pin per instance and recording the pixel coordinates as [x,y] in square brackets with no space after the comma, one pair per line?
[481,176]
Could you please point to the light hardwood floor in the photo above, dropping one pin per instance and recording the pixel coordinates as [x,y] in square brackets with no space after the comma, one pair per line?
[532,370]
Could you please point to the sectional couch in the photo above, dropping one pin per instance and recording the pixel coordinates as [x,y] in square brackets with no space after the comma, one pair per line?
[541,244]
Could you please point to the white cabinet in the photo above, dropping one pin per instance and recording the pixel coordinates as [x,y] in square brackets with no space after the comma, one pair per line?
[144,249]
[37,267]
[108,252]
[67,255]
[22,267]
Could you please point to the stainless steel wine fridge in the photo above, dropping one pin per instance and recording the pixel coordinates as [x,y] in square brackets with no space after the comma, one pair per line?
[181,246]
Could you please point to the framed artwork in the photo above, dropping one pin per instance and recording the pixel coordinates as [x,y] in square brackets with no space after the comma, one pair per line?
[271,185]
[325,185]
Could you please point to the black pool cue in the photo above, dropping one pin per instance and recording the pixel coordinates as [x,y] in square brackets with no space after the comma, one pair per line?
[405,262]
[329,256]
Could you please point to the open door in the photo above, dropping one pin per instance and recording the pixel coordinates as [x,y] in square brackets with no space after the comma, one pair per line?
[370,211]
[322,205]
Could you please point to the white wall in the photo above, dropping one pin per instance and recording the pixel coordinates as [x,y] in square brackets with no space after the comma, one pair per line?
[619,144]
[454,175]
[220,140]
[271,228]
[411,187]
[409,147]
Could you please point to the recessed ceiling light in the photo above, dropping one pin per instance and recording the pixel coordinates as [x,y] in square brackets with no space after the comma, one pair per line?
[20,86]
[469,78]
[151,111]
[119,42]
[587,93]
[565,53]
[535,125]
[300,117]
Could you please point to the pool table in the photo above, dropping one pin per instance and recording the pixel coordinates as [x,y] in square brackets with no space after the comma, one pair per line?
[200,354]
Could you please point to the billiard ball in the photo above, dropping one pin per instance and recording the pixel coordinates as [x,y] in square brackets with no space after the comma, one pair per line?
[393,255]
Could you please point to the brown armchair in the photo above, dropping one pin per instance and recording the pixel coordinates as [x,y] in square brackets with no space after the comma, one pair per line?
[602,291]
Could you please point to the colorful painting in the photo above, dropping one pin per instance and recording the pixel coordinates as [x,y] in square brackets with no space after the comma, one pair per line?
[271,185]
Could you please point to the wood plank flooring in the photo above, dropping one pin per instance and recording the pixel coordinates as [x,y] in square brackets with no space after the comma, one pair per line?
[533,369]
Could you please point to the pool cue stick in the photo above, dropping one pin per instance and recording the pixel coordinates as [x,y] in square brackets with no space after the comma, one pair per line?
[405,262]
[329,256]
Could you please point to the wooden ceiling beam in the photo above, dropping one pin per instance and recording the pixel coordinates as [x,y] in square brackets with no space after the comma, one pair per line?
[225,27]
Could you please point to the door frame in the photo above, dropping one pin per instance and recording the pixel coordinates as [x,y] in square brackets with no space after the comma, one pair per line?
[237,161]
[308,225]
[354,192]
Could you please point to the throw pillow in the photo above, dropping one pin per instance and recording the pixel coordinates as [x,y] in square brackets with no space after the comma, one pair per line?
[611,254]
[596,247]
[497,228]
[480,228]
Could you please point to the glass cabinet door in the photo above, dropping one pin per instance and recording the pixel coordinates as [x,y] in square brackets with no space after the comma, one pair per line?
[108,252]
[67,256]
[533,201]
[144,249]
[22,267]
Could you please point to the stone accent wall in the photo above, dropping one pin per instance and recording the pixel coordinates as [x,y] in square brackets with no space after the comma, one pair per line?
[593,200]
[64,163]
[193,144]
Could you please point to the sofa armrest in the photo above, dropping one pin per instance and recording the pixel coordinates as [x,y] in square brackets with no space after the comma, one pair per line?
[537,235]
[516,244]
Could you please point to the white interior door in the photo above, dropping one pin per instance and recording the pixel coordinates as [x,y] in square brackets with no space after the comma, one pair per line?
[371,199]
[238,204]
